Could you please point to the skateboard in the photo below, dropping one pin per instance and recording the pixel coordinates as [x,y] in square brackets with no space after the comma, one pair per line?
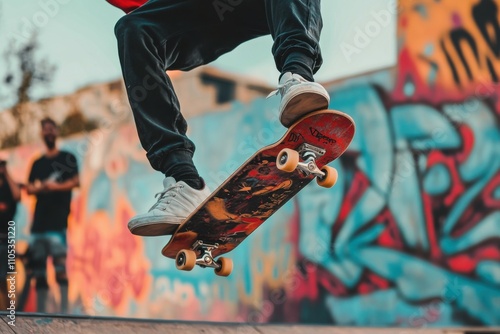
[258,188]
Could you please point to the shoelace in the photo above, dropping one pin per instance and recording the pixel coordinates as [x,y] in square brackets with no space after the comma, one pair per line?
[161,203]
[282,88]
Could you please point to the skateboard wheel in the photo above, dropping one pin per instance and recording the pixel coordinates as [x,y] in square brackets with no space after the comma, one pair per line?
[330,178]
[287,160]
[226,266]
[185,259]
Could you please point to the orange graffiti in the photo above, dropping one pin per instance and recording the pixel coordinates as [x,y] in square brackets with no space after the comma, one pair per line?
[106,263]
[452,45]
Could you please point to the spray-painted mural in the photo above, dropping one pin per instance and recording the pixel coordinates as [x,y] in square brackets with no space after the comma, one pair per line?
[410,236]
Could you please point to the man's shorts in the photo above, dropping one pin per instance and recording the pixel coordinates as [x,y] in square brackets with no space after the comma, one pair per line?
[45,244]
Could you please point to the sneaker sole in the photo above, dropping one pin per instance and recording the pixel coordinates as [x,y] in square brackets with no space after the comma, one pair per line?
[152,229]
[300,104]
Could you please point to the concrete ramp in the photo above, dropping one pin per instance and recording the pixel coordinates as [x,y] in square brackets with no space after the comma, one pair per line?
[41,323]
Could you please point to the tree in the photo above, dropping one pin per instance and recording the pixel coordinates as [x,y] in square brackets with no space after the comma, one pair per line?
[25,71]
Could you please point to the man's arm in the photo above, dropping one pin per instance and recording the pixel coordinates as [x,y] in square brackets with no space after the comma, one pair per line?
[63,186]
[34,187]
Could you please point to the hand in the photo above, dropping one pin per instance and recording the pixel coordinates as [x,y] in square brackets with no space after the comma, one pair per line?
[40,187]
[50,186]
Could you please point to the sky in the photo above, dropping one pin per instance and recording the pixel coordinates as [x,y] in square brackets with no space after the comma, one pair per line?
[78,37]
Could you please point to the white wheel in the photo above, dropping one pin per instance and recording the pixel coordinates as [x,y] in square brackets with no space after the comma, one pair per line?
[287,160]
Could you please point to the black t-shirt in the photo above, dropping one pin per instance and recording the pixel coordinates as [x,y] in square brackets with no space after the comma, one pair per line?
[52,208]
[7,200]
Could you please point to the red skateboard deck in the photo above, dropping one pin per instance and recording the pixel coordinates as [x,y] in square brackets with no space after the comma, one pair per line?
[258,188]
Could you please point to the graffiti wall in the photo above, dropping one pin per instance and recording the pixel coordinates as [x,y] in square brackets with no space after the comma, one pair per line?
[449,50]
[410,235]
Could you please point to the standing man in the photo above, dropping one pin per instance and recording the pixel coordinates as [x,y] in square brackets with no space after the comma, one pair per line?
[51,180]
[10,193]
[160,35]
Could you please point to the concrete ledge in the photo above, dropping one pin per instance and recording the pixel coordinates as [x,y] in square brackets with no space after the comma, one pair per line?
[41,323]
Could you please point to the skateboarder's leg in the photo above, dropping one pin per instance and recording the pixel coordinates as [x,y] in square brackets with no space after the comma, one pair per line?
[147,49]
[149,44]
[295,26]
[174,35]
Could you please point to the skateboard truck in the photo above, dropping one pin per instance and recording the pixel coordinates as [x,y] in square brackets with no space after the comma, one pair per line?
[309,154]
[201,254]
[289,160]
[205,258]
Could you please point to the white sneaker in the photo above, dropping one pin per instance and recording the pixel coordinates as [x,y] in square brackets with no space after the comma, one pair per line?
[299,97]
[177,201]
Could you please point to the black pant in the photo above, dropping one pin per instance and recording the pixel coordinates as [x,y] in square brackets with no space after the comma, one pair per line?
[184,34]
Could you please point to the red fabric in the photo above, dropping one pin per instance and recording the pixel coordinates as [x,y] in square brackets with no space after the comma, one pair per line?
[127,5]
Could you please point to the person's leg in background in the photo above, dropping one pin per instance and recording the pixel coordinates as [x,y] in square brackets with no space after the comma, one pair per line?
[38,262]
[58,251]
[4,298]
